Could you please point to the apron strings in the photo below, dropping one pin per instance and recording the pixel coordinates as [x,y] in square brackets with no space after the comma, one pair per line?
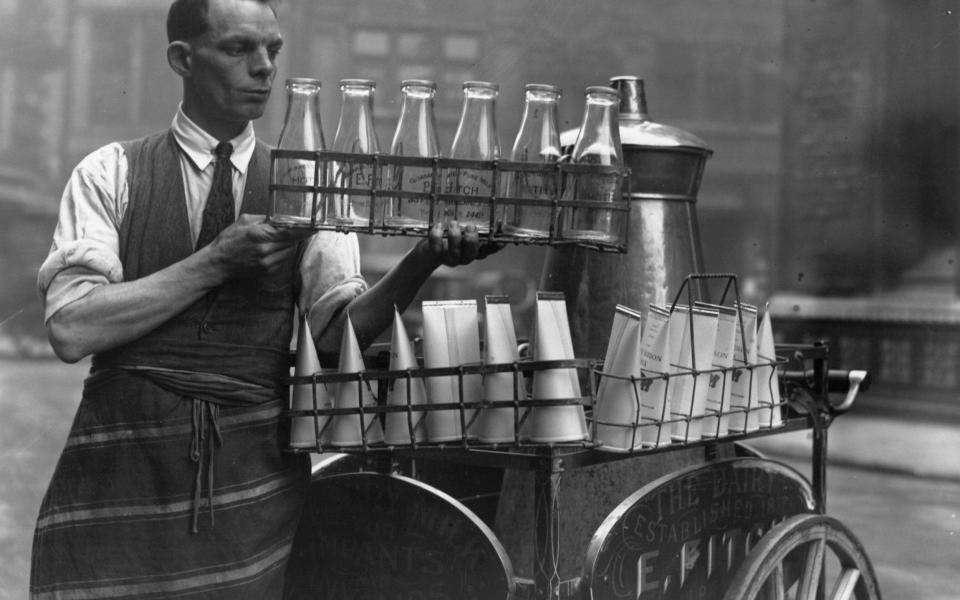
[206,439]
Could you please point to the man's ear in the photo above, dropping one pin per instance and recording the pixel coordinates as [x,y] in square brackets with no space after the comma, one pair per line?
[179,55]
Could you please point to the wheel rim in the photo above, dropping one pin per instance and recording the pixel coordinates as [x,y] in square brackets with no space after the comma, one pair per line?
[807,557]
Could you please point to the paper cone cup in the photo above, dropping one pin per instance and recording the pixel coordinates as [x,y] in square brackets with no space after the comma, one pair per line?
[404,427]
[303,430]
[498,425]
[770,413]
[349,429]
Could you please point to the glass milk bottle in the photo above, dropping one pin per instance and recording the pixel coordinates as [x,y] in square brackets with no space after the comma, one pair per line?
[538,140]
[301,131]
[355,134]
[476,139]
[598,143]
[416,135]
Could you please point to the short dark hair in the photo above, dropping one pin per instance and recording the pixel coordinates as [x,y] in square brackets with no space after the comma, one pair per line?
[187,19]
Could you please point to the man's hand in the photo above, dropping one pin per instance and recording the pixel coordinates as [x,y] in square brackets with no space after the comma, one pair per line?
[251,246]
[372,311]
[458,246]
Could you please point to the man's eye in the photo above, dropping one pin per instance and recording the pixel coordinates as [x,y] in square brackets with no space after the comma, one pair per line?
[273,51]
[235,49]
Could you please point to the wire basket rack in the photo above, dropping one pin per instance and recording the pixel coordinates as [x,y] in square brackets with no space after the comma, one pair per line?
[368,403]
[569,188]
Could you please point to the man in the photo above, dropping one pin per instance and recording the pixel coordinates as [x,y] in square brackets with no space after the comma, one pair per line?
[172,482]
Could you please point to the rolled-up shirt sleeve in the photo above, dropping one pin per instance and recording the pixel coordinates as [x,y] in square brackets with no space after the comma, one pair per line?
[85,249]
[330,276]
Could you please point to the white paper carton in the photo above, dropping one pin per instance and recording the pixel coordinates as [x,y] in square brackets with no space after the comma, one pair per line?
[744,388]
[624,319]
[552,341]
[688,395]
[716,424]
[617,412]
[654,365]
[451,337]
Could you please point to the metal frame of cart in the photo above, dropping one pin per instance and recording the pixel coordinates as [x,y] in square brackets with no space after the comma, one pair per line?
[788,557]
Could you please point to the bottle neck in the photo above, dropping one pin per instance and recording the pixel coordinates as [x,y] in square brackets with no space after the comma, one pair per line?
[476,136]
[301,124]
[599,140]
[416,133]
[355,130]
[538,139]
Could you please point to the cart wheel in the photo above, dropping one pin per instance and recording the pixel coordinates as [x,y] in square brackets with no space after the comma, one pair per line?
[803,558]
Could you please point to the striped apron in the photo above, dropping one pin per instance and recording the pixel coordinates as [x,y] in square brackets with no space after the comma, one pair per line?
[172,483]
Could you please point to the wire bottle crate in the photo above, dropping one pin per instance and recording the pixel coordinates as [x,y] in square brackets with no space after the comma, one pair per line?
[319,189]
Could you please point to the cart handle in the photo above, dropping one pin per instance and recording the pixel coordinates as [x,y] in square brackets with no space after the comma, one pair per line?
[852,382]
[838,381]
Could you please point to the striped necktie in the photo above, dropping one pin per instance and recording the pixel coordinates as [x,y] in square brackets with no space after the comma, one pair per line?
[219,210]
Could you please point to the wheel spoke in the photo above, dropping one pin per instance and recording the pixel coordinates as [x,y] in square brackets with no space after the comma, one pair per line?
[796,558]
[775,585]
[846,584]
[812,569]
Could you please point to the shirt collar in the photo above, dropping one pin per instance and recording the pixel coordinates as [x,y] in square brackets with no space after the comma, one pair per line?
[199,145]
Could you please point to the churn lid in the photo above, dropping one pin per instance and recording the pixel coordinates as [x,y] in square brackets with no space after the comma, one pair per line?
[636,126]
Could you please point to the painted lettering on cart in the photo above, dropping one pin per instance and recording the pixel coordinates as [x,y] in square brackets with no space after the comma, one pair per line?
[685,536]
[722,551]
[395,541]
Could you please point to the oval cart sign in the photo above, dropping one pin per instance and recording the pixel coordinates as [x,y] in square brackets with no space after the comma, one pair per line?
[685,534]
[371,536]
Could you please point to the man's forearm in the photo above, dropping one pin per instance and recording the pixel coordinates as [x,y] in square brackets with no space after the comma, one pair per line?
[372,312]
[114,314]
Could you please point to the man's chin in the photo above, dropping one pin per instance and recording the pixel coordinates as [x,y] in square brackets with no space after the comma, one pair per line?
[253,111]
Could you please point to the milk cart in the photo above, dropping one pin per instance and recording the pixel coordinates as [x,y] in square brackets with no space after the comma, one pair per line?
[709,518]
[698,519]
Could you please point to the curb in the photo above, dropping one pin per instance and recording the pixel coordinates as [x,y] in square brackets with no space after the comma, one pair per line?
[895,446]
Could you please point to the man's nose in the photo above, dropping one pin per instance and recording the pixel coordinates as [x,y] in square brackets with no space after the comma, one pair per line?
[261,63]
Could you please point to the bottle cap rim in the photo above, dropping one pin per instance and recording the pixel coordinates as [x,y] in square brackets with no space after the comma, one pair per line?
[482,84]
[601,89]
[303,80]
[363,82]
[420,82]
[616,78]
[542,87]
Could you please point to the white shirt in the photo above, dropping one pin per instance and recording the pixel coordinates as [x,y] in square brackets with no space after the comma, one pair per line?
[85,251]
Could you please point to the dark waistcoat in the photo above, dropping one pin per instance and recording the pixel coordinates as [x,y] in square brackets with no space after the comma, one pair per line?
[243,328]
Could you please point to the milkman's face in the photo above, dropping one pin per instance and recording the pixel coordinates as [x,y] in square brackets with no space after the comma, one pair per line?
[232,66]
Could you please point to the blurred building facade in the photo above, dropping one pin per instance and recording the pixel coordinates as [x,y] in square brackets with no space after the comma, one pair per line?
[834,124]
[95,71]
[870,209]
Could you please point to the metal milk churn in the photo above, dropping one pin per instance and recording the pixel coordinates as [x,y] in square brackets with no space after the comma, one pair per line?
[663,240]
[663,247]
